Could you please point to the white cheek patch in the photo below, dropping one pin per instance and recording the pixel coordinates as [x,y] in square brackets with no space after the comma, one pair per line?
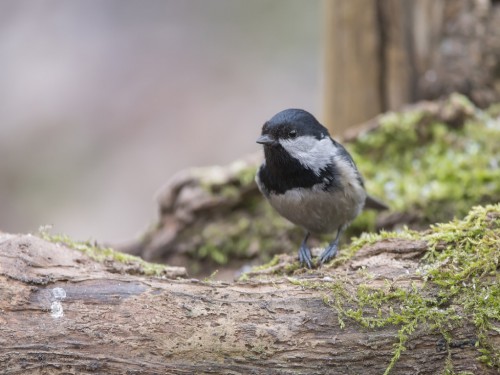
[312,153]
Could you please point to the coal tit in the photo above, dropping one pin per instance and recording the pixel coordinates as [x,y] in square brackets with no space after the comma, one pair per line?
[309,178]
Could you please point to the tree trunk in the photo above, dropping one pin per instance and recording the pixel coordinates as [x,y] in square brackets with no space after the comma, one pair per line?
[63,313]
[352,64]
[382,54]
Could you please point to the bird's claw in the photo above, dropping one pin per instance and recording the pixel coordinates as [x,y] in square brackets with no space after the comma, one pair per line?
[329,253]
[305,257]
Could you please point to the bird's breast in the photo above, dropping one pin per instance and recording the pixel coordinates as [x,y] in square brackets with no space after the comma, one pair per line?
[317,210]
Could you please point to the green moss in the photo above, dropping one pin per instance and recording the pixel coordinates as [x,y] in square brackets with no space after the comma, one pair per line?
[242,175]
[494,110]
[464,262]
[223,240]
[371,238]
[244,233]
[267,265]
[102,254]
[249,229]
[432,169]
[460,286]
[246,176]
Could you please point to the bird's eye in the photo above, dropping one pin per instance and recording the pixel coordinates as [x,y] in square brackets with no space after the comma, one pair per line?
[293,134]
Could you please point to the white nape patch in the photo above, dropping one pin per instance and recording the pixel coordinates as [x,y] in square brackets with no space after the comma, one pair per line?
[346,170]
[56,309]
[312,153]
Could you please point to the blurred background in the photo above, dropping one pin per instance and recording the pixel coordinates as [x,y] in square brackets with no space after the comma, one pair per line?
[102,101]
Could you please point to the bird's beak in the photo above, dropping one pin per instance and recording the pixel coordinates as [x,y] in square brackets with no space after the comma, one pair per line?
[266,139]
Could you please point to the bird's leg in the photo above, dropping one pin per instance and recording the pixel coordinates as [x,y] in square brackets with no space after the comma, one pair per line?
[331,251]
[304,253]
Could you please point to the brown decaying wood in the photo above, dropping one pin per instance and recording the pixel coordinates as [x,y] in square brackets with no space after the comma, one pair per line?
[62,313]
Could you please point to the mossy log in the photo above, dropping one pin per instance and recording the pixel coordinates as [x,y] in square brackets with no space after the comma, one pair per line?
[429,163]
[399,303]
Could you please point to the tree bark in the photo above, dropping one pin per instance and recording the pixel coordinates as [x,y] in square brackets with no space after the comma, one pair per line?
[63,313]
[383,54]
[352,64]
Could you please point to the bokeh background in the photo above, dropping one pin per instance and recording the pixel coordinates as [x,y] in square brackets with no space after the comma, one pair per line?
[101,101]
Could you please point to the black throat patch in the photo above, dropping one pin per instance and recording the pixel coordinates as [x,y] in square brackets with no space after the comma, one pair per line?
[281,173]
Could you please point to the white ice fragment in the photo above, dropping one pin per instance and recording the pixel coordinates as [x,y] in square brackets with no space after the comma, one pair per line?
[58,293]
[56,310]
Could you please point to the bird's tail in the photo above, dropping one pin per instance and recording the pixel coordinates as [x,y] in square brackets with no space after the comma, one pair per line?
[375,204]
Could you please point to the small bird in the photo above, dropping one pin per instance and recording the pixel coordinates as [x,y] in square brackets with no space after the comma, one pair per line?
[310,179]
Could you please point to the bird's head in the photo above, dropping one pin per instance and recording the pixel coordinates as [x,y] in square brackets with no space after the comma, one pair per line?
[291,128]
[299,135]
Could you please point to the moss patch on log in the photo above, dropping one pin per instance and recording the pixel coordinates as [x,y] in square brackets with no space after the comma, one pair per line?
[435,167]
[459,285]
[118,261]
[430,163]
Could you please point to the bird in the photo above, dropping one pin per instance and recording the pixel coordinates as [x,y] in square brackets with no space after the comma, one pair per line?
[310,179]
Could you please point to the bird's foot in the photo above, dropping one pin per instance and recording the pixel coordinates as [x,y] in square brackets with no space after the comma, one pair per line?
[329,253]
[305,257]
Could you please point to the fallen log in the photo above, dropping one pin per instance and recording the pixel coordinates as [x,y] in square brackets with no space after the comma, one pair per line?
[399,303]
